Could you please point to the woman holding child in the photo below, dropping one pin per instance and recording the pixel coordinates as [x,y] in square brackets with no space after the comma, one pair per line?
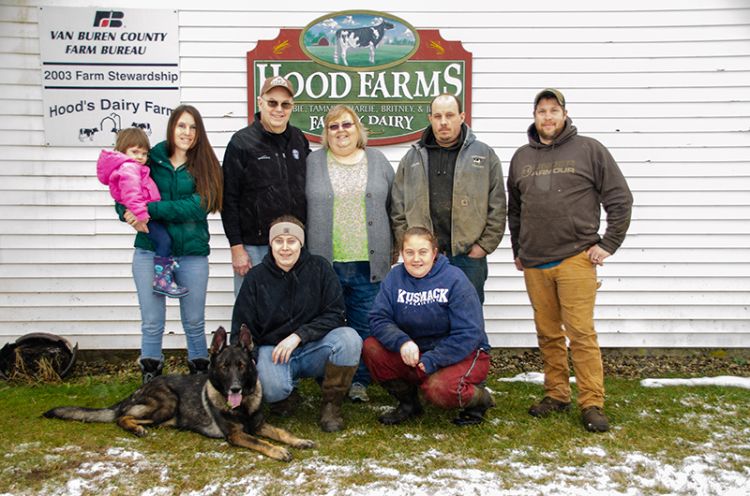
[188,176]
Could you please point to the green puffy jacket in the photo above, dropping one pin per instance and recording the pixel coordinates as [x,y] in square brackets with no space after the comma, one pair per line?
[180,207]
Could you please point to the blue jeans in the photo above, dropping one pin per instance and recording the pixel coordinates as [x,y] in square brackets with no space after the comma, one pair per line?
[256,253]
[159,236]
[193,274]
[342,346]
[359,295]
[475,269]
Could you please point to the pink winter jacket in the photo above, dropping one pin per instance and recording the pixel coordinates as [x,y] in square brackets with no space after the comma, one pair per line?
[129,182]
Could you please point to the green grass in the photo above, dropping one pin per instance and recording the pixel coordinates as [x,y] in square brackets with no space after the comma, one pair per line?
[668,425]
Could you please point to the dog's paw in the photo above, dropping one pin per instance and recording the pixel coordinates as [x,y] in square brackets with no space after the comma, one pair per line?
[139,431]
[281,454]
[304,444]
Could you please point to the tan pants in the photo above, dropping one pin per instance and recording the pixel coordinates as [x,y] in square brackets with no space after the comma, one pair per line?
[563,299]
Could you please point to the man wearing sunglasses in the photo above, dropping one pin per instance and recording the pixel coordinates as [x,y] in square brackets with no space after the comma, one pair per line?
[452,184]
[264,176]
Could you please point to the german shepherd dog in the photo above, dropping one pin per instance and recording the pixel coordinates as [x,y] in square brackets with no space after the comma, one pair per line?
[225,403]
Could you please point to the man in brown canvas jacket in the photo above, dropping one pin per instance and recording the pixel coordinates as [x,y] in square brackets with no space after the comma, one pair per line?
[557,185]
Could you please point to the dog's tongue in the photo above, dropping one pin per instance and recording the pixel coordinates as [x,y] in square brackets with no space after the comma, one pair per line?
[234,399]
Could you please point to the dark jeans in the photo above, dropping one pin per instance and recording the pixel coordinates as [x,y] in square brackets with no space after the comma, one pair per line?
[159,236]
[475,269]
[359,294]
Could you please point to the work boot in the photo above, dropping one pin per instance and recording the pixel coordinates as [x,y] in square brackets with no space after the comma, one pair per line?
[198,366]
[547,406]
[594,419]
[408,402]
[358,393]
[286,407]
[164,282]
[473,412]
[336,382]
[150,368]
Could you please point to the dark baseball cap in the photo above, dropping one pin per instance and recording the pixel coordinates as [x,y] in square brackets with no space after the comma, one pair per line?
[276,82]
[550,93]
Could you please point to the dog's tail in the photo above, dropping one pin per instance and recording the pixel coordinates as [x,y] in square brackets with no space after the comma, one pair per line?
[82,414]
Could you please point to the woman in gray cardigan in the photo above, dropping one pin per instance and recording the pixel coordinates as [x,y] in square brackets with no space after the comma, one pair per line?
[348,198]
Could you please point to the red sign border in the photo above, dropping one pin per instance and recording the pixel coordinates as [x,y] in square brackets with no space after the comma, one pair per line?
[432,47]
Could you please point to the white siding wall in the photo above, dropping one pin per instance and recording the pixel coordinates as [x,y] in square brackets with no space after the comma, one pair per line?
[664,85]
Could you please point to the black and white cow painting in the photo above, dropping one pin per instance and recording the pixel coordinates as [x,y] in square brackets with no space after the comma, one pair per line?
[365,37]
[143,125]
[87,133]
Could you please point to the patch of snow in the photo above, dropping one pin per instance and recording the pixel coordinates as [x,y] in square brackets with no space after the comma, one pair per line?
[213,455]
[413,437]
[722,380]
[432,453]
[158,491]
[20,448]
[123,453]
[635,474]
[594,451]
[381,471]
[711,469]
[530,377]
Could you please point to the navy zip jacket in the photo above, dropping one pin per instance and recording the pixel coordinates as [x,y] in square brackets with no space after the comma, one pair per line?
[307,300]
[440,312]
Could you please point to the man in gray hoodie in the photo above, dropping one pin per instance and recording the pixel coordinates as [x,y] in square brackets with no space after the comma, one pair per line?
[557,185]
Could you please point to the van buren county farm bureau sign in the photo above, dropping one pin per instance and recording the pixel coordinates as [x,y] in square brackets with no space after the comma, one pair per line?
[378,64]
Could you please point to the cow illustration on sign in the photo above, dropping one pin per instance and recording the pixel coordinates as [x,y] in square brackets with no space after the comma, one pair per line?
[363,37]
[352,39]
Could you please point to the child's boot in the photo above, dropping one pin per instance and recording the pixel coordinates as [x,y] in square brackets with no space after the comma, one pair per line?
[164,278]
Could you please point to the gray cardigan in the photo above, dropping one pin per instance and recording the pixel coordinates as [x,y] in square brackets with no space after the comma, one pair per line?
[319,193]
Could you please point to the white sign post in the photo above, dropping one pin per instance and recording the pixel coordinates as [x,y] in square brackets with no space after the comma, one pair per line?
[104,70]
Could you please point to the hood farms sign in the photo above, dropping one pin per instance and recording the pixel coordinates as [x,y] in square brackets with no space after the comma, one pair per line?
[372,61]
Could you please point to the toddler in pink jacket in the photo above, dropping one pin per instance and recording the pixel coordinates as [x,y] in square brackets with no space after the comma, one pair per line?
[125,171]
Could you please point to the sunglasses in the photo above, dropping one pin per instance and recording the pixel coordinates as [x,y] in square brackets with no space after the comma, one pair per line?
[344,125]
[274,104]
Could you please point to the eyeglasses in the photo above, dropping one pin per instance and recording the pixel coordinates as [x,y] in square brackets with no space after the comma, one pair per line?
[274,104]
[344,125]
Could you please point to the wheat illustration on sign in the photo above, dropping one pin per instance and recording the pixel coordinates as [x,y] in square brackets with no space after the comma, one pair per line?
[439,49]
[278,49]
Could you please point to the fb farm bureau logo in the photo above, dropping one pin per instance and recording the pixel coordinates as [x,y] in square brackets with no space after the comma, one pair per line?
[378,64]
[108,19]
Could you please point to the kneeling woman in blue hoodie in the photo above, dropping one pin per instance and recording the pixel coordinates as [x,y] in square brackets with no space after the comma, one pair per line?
[428,333]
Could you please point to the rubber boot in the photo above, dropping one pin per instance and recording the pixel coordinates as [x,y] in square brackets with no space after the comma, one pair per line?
[150,368]
[408,402]
[473,412]
[198,366]
[164,282]
[336,383]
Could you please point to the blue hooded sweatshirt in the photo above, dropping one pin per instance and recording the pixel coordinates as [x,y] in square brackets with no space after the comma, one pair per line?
[440,312]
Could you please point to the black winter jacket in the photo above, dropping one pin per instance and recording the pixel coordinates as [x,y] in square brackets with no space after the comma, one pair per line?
[262,181]
[307,300]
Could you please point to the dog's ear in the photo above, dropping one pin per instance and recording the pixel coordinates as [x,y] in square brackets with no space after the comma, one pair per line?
[246,338]
[219,341]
